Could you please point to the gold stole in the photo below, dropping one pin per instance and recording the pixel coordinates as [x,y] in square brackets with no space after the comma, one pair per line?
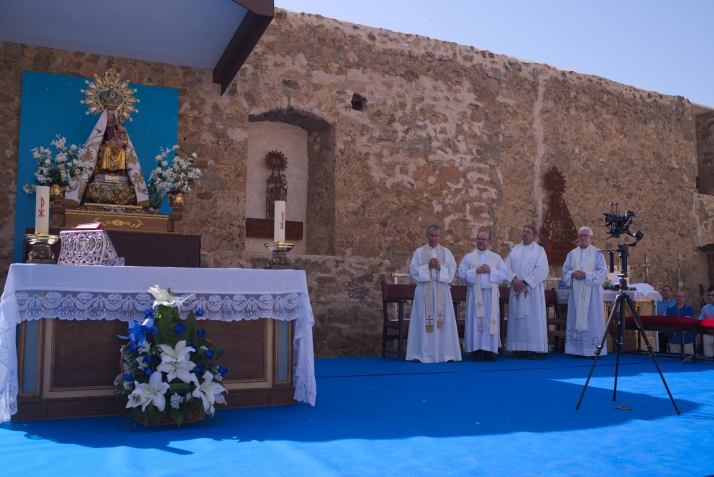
[429,290]
[478,297]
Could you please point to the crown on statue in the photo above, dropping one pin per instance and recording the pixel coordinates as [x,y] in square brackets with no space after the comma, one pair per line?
[110,93]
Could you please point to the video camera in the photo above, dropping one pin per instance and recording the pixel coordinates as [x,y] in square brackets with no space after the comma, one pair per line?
[619,224]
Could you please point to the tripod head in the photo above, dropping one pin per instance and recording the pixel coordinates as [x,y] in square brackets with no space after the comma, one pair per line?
[623,250]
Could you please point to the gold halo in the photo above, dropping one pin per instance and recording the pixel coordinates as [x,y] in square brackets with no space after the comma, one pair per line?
[110,93]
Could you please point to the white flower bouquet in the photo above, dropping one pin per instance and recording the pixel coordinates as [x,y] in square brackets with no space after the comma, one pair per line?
[58,168]
[175,177]
[171,369]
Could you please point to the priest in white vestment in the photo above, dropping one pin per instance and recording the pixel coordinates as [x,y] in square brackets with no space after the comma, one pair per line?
[585,271]
[528,268]
[433,337]
[482,271]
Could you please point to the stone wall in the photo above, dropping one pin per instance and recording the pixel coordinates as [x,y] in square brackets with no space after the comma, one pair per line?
[446,134]
[705,152]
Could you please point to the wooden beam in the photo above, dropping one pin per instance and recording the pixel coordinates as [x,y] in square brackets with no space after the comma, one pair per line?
[260,14]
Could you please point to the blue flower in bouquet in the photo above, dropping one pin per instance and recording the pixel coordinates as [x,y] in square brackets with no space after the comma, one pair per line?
[209,353]
[128,377]
[154,329]
[147,358]
[148,371]
[179,328]
[198,368]
[193,347]
[201,332]
[199,312]
[222,370]
[148,312]
[132,346]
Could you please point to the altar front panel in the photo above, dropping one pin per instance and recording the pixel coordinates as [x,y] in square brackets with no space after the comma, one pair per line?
[79,360]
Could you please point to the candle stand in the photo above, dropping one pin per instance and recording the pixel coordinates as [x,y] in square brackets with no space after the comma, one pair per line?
[41,251]
[280,258]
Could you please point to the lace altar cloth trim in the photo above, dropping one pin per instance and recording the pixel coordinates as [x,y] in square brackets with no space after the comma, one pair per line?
[68,305]
[22,302]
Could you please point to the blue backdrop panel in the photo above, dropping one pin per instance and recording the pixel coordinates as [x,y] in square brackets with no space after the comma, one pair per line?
[51,105]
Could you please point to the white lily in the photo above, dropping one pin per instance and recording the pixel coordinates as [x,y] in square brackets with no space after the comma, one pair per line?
[151,392]
[209,392]
[180,351]
[163,297]
[176,368]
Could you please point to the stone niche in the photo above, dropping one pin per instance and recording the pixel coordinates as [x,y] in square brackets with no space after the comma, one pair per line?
[263,137]
[308,144]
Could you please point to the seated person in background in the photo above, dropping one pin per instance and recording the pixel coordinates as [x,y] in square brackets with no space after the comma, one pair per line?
[666,301]
[708,312]
[662,305]
[681,309]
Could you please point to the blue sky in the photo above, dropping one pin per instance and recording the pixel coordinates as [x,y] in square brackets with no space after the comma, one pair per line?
[663,46]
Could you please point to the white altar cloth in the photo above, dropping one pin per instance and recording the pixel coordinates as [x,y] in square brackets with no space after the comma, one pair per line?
[68,292]
[611,296]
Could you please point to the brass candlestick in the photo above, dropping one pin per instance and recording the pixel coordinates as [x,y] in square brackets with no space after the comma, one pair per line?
[279,249]
[41,251]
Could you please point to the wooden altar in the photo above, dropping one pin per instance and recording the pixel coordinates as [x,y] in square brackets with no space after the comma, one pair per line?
[58,379]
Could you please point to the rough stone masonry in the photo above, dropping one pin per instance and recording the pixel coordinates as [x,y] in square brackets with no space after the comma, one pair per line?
[405,131]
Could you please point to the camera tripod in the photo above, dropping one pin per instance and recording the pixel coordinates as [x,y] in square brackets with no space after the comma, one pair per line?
[623,299]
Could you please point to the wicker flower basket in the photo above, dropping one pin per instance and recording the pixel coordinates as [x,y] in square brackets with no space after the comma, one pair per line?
[165,420]
[141,418]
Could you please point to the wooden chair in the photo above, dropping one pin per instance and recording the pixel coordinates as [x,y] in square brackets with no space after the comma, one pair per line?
[503,295]
[559,323]
[399,294]
[458,296]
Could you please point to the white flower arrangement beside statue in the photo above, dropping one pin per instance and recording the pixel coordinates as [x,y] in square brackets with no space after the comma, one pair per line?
[57,168]
[176,177]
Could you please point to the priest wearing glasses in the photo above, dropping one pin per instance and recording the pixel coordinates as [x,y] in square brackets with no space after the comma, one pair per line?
[482,271]
[585,271]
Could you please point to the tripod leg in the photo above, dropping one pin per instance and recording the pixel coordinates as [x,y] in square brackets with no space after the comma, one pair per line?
[598,350]
[651,352]
[620,342]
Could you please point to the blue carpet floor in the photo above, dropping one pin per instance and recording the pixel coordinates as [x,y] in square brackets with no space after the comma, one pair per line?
[381,417]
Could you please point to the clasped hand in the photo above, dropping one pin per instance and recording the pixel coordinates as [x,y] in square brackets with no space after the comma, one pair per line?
[579,275]
[483,269]
[434,263]
[519,285]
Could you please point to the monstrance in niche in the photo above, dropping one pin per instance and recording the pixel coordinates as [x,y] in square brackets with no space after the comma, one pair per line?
[277,190]
[558,235]
[277,182]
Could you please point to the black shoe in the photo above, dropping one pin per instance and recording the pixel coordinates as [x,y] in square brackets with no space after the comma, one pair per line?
[490,356]
[477,355]
[534,355]
[416,360]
